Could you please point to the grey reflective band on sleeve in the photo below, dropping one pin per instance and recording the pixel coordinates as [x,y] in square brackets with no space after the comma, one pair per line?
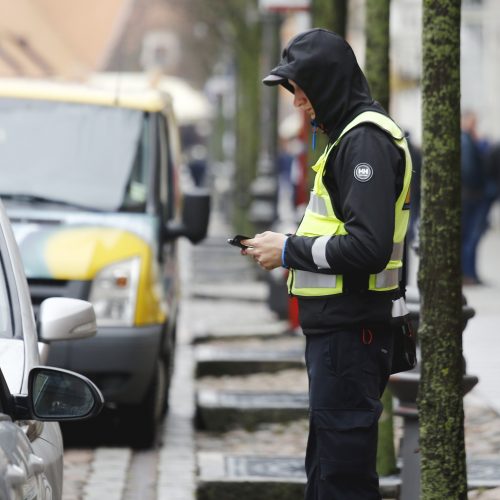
[306,279]
[318,251]
[397,251]
[387,278]
[317,205]
[399,308]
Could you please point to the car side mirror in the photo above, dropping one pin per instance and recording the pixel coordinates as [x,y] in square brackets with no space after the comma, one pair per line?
[195,217]
[55,394]
[62,318]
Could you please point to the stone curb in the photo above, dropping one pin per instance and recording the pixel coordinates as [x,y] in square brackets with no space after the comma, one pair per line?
[243,477]
[275,329]
[224,410]
[217,361]
[250,291]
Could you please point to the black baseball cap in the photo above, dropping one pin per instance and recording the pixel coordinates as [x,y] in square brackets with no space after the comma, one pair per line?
[287,68]
[274,78]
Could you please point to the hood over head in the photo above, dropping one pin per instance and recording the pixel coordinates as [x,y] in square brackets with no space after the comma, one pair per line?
[324,66]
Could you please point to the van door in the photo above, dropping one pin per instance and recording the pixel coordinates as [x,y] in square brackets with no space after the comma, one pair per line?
[168,255]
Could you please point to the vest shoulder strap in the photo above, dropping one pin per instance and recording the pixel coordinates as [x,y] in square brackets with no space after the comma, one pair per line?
[382,121]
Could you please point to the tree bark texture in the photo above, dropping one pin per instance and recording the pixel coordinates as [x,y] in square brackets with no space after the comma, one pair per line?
[440,334]
[330,14]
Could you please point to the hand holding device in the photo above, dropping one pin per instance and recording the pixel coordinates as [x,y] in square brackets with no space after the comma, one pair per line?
[236,241]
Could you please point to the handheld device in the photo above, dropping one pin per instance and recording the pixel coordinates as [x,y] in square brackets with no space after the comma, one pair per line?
[236,241]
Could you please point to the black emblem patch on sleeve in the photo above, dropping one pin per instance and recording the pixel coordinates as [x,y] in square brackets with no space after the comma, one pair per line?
[363,172]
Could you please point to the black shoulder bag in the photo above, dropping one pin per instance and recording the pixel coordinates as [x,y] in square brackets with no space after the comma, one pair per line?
[404,352]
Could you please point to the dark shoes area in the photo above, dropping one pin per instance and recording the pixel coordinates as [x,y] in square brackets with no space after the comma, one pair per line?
[471,281]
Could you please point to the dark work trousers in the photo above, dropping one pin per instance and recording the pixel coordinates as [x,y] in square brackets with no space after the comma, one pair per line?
[348,372]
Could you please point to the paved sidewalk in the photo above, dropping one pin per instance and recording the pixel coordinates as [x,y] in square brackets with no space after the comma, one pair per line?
[481,339]
[177,465]
[480,346]
[482,335]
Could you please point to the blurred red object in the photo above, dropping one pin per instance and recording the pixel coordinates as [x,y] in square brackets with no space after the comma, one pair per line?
[293,312]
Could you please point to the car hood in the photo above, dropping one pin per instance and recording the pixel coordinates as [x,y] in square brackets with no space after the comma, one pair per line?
[76,245]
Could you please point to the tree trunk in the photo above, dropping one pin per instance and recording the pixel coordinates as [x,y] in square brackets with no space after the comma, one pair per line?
[440,334]
[330,14]
[236,29]
[247,125]
[377,74]
[377,49]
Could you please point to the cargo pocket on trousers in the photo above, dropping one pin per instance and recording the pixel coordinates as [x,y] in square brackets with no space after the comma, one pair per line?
[375,362]
[347,441]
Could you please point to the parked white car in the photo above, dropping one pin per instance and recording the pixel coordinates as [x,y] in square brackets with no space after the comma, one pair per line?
[33,397]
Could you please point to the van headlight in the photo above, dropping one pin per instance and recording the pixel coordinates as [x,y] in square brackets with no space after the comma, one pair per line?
[114,293]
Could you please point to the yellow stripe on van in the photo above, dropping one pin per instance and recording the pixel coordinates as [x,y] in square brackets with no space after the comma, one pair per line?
[80,253]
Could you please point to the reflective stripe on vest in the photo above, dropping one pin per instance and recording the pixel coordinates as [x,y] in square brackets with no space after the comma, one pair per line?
[388,278]
[317,205]
[321,222]
[306,279]
[397,251]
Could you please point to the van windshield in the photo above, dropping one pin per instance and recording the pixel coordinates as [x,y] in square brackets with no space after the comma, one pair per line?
[77,154]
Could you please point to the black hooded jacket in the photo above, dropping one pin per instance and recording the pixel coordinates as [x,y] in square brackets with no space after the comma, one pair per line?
[323,65]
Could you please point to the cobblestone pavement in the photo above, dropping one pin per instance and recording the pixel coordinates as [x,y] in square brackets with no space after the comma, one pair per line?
[166,472]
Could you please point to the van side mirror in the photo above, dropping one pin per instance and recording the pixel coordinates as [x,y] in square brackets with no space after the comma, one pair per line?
[196,214]
[195,217]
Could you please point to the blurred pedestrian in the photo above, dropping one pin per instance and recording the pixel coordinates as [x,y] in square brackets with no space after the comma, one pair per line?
[284,161]
[478,193]
[344,260]
[492,165]
[288,171]
[197,164]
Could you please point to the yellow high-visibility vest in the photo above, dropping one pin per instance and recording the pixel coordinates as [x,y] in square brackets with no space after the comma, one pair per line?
[321,221]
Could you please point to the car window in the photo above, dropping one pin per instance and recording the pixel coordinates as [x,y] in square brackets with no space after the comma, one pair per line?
[5,306]
[163,185]
[80,154]
[136,190]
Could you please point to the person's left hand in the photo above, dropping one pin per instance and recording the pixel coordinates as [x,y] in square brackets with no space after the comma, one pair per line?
[266,249]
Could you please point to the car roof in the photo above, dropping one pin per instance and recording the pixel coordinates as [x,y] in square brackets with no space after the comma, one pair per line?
[122,95]
[190,105]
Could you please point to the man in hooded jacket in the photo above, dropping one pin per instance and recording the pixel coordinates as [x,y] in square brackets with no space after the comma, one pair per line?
[344,261]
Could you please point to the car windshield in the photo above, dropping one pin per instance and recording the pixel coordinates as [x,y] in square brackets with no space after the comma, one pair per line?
[77,154]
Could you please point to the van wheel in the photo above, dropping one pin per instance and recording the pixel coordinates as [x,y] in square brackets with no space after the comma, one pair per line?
[143,421]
